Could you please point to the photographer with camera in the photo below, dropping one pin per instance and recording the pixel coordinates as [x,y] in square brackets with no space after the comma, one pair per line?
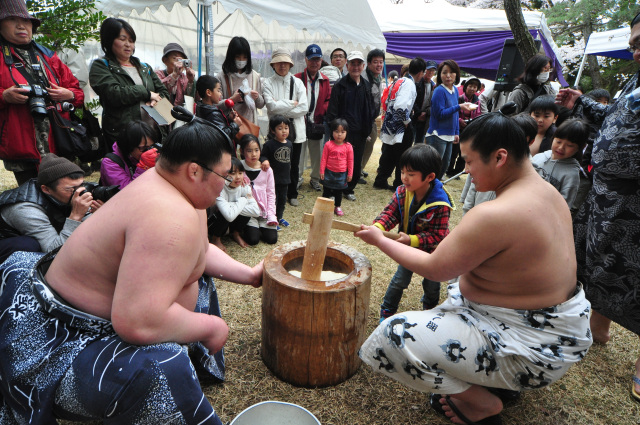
[40,214]
[32,78]
[179,77]
[133,154]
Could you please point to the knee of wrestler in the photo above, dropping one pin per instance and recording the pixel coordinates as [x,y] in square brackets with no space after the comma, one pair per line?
[220,333]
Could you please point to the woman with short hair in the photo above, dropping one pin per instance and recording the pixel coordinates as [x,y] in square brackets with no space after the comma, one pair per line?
[123,82]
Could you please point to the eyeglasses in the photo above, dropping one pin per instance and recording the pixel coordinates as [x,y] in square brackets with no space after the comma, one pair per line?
[547,69]
[225,178]
[338,57]
[632,48]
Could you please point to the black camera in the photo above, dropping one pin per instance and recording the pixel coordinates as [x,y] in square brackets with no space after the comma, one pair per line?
[36,94]
[100,193]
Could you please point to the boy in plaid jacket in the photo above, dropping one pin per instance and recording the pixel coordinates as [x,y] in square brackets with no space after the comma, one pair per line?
[420,208]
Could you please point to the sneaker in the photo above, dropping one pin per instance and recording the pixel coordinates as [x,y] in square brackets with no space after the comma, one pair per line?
[278,228]
[283,222]
[338,211]
[362,181]
[365,174]
[294,202]
[384,314]
[350,197]
[315,185]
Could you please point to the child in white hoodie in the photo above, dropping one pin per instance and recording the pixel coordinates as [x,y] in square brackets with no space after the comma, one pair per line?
[234,208]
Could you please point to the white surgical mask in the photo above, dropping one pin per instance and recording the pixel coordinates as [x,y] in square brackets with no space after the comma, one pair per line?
[543,76]
[241,64]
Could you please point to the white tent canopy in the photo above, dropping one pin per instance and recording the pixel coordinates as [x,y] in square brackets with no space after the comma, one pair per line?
[612,44]
[609,43]
[293,24]
[422,16]
[440,16]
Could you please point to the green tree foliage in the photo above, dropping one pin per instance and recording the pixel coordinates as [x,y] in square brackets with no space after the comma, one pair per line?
[573,20]
[66,23]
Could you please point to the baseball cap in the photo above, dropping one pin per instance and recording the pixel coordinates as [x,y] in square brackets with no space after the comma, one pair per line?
[432,64]
[356,54]
[313,51]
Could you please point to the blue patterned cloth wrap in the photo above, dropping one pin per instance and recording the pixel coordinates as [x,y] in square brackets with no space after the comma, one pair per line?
[41,335]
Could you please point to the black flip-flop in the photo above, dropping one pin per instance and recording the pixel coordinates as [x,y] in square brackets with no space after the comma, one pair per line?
[434,401]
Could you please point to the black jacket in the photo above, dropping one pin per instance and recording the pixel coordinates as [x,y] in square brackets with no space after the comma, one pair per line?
[354,103]
[417,106]
[214,115]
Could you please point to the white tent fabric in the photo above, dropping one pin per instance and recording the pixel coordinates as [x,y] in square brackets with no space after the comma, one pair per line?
[607,42]
[611,44]
[440,16]
[293,24]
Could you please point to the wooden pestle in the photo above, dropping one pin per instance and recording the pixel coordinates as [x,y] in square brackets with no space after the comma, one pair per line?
[349,227]
[317,239]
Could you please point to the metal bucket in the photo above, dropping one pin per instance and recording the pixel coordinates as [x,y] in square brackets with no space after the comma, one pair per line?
[275,413]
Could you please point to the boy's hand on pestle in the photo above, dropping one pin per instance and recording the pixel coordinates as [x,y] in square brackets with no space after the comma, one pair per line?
[370,234]
[404,238]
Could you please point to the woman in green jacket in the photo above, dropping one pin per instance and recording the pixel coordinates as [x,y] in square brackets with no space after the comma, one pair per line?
[123,83]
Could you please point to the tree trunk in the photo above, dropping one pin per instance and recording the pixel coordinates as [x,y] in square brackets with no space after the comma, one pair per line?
[524,41]
[593,69]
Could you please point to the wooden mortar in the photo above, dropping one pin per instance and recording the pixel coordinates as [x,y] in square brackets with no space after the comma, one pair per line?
[312,330]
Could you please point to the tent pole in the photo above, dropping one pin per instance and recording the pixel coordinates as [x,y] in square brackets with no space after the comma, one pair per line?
[209,45]
[584,59]
[199,44]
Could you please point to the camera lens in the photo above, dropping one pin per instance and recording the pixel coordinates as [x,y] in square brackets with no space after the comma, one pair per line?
[37,106]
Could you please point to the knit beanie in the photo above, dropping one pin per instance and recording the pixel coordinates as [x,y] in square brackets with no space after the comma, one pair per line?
[52,168]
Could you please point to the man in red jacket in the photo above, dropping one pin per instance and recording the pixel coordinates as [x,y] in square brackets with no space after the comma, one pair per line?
[318,94]
[24,132]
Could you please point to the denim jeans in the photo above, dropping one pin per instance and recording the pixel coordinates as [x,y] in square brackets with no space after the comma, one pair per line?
[444,149]
[400,281]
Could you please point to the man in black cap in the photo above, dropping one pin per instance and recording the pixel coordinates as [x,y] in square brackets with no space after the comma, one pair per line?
[422,105]
[179,76]
[40,214]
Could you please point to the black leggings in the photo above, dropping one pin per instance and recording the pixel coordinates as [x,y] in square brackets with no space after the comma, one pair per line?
[253,235]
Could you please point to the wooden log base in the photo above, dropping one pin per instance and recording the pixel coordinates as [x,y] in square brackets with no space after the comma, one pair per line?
[312,330]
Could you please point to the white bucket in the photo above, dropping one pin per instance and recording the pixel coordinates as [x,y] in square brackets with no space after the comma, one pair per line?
[275,413]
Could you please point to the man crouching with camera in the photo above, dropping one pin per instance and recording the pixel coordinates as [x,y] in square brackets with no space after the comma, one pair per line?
[32,78]
[39,215]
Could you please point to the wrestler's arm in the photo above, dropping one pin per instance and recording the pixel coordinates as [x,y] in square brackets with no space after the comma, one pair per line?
[475,239]
[154,276]
[220,265]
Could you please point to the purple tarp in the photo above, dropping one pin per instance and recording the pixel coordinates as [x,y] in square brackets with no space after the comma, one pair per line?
[476,52]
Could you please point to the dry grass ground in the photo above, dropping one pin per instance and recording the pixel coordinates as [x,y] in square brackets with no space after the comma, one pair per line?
[596,391]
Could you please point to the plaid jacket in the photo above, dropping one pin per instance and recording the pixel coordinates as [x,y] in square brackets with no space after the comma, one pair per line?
[428,226]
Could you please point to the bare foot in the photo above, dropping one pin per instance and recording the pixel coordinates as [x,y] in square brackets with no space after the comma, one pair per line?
[600,327]
[217,242]
[476,403]
[236,237]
